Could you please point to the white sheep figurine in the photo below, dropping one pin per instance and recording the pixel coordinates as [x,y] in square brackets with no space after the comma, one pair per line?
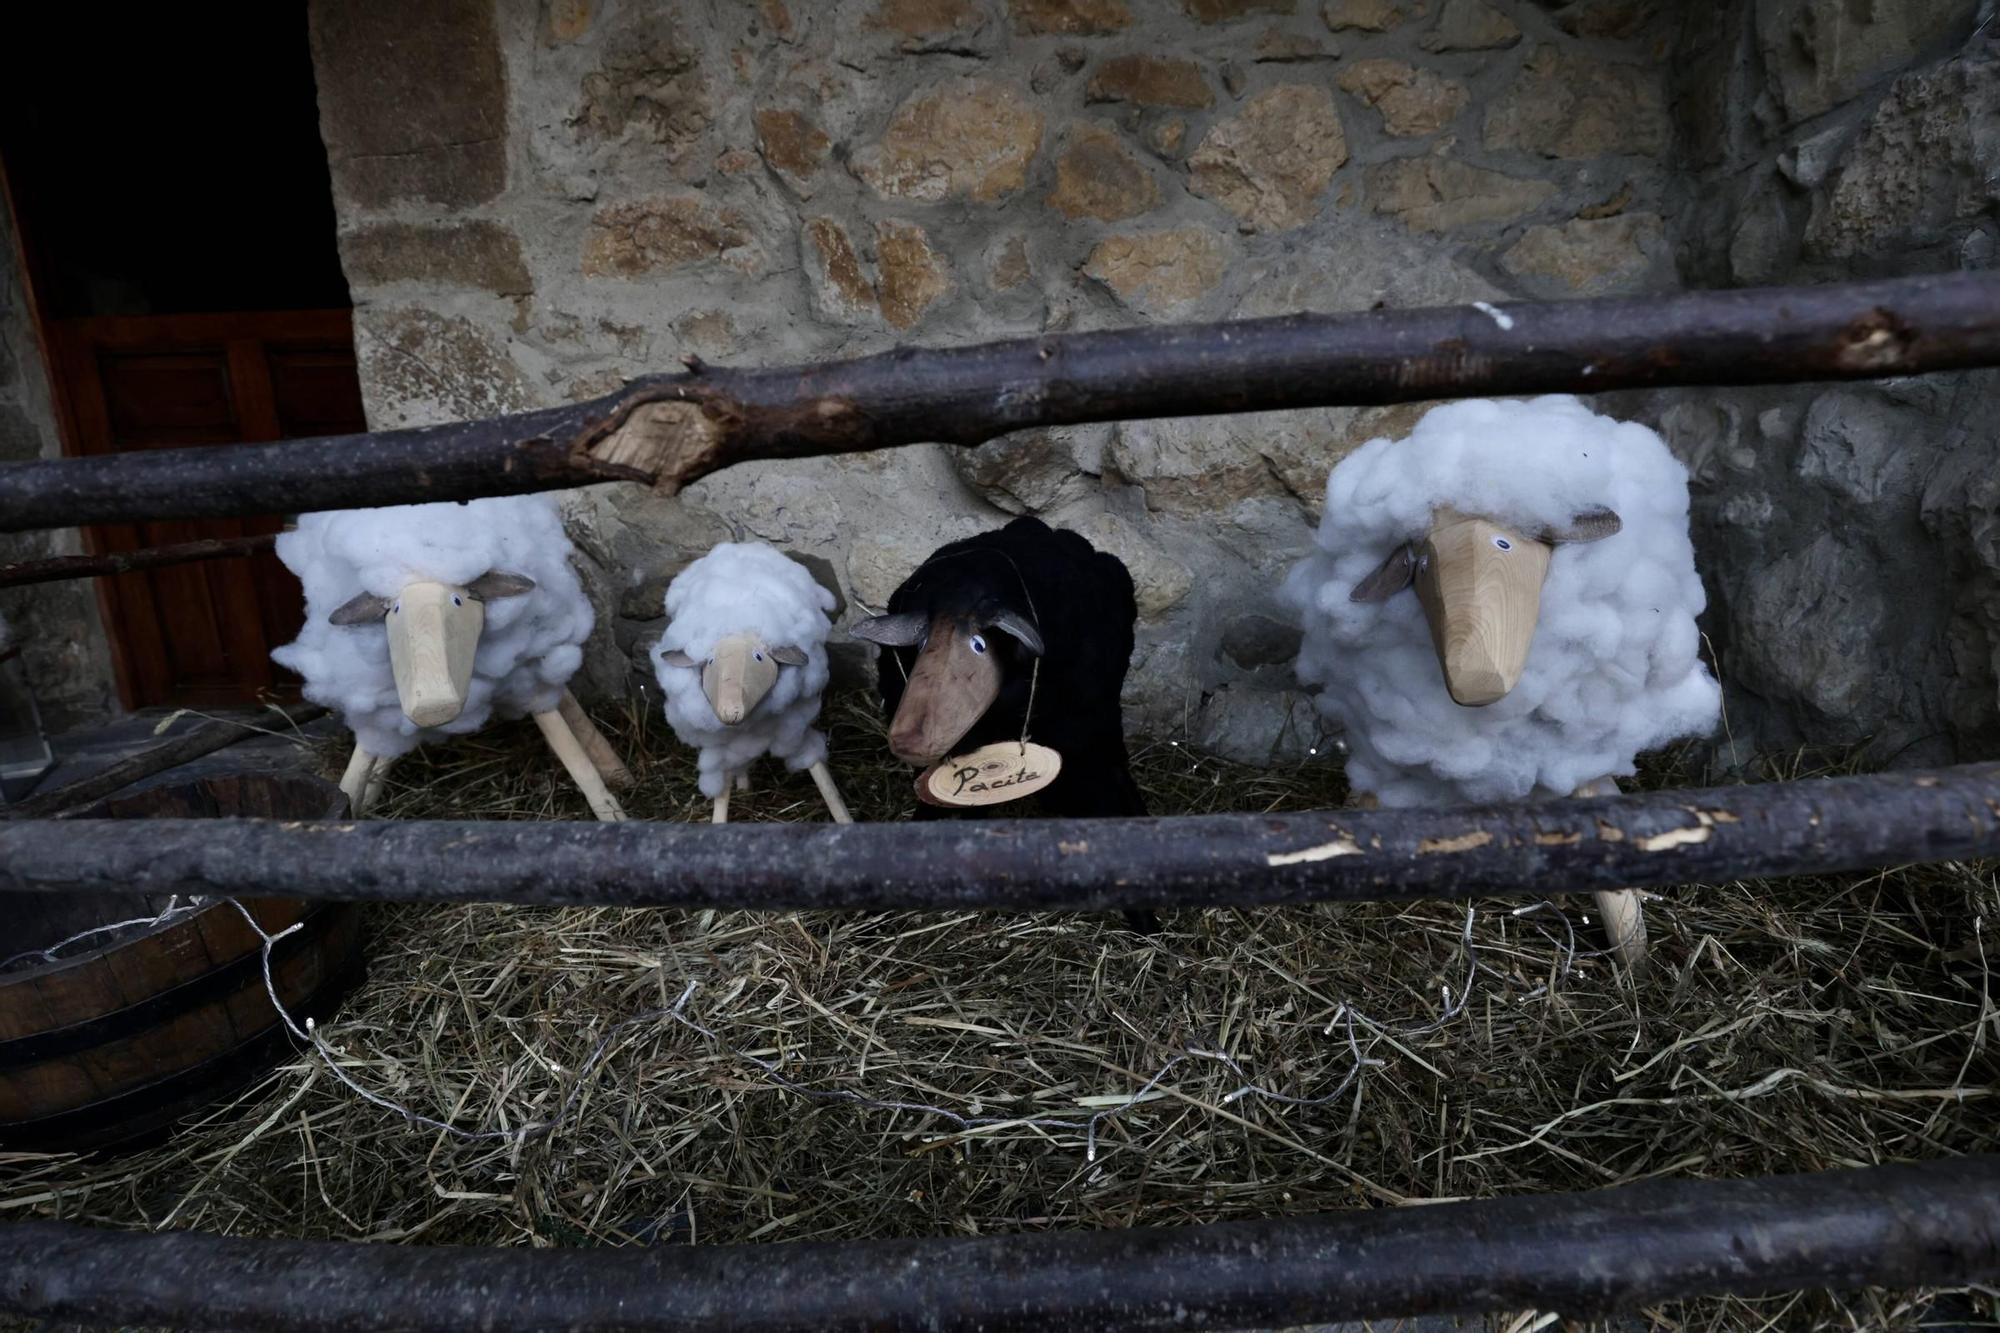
[1550,631]
[742,664]
[427,620]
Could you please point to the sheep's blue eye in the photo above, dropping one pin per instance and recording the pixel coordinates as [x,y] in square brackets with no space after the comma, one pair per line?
[1503,544]
[455,600]
[394,609]
[978,643]
[758,656]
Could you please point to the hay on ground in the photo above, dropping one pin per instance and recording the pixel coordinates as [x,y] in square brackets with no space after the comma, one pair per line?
[1788,1026]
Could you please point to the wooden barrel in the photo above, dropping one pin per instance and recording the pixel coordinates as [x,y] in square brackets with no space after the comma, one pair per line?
[123,1033]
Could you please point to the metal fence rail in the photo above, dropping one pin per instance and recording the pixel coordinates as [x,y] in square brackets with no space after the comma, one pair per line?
[1580,1254]
[1645,838]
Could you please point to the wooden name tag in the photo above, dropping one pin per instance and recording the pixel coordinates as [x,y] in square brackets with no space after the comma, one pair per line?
[992,774]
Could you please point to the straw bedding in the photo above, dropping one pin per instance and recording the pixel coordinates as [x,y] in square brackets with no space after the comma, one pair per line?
[1787,1026]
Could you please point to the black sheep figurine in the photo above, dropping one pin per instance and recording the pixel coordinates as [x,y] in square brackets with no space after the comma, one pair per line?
[964,634]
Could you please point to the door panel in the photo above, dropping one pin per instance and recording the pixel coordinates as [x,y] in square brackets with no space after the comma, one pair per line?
[201,634]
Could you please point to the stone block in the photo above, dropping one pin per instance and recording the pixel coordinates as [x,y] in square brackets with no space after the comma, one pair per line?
[1269,164]
[968,138]
[1412,101]
[480,253]
[395,130]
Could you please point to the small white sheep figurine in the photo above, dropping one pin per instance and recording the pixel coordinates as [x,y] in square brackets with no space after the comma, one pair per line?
[1548,632]
[742,664]
[427,620]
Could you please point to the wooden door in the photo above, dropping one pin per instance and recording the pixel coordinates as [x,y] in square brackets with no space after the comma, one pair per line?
[201,634]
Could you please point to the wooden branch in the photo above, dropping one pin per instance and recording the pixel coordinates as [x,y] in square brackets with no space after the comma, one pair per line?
[1586,1254]
[1636,840]
[191,744]
[670,430]
[126,562]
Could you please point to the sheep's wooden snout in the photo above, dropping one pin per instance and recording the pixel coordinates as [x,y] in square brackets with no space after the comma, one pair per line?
[1480,584]
[433,637]
[434,633]
[739,672]
[955,680]
[1481,589]
[737,677]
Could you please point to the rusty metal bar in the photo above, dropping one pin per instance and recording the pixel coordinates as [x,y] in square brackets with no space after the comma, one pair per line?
[1639,839]
[56,568]
[669,430]
[1578,1254]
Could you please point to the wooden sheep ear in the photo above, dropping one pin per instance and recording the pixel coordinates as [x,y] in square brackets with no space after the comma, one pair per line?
[902,630]
[788,655]
[361,609]
[1593,525]
[1030,637]
[497,583]
[676,658]
[1389,578]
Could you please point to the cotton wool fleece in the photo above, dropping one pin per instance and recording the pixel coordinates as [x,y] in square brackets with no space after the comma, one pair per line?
[531,644]
[746,588]
[1614,667]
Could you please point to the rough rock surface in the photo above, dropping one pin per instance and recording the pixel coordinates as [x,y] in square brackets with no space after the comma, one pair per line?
[1157,272]
[1591,256]
[970,138]
[1413,101]
[1570,105]
[1150,81]
[1365,15]
[1269,164]
[1442,194]
[1089,18]
[1098,177]
[1848,533]
[1927,160]
[599,190]
[1470,25]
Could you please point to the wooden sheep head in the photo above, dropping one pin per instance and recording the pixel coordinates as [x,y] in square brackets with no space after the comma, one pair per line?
[956,678]
[739,673]
[433,635]
[1480,584]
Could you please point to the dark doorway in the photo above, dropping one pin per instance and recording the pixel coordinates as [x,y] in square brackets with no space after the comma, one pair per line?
[166,173]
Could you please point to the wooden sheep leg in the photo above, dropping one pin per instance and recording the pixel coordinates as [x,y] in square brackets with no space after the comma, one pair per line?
[721,815]
[823,779]
[602,757]
[563,741]
[1623,911]
[354,781]
[376,777]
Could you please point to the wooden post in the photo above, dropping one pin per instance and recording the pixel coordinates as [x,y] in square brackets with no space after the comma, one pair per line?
[60,567]
[581,771]
[191,744]
[1623,910]
[354,782]
[377,777]
[667,431]
[602,757]
[1589,1254]
[823,779]
[1642,839]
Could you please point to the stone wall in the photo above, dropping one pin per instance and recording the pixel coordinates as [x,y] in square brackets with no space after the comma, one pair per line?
[1850,535]
[601,188]
[597,189]
[63,648]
